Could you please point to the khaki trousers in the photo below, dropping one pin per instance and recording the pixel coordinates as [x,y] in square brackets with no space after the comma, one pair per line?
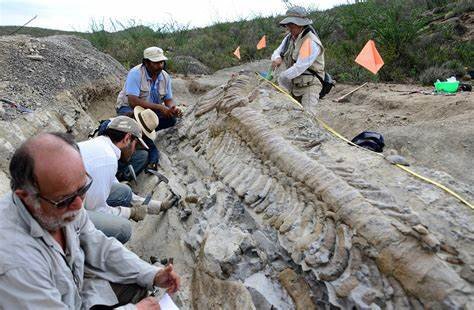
[308,96]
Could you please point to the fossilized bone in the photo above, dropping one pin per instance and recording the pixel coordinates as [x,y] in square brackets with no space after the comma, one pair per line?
[320,208]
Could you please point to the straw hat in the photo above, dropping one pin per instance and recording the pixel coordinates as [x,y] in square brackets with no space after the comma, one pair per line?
[148,121]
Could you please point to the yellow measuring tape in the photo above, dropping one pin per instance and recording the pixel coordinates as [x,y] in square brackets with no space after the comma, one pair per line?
[328,128]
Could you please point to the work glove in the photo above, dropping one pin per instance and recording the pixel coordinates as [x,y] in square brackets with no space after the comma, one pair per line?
[155,207]
[138,213]
[169,202]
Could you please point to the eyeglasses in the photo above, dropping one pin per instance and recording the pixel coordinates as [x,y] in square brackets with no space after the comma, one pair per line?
[67,201]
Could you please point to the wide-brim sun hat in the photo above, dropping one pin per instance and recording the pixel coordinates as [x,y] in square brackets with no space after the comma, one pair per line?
[154,54]
[296,15]
[147,120]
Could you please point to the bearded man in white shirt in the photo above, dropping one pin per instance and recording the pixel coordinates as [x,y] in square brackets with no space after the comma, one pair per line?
[52,256]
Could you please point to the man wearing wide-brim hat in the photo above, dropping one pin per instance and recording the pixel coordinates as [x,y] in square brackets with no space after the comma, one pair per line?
[303,54]
[148,85]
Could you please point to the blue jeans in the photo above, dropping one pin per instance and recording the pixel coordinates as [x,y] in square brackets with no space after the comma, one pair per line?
[114,225]
[139,160]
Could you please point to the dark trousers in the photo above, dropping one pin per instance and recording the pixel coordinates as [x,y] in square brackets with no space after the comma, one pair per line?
[164,122]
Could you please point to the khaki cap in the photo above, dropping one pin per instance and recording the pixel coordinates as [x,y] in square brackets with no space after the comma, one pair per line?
[154,54]
[128,125]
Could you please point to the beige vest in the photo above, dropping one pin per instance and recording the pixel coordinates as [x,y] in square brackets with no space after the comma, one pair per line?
[145,86]
[291,55]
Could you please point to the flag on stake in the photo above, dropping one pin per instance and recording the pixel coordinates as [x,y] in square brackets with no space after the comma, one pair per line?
[262,43]
[305,49]
[370,58]
[237,52]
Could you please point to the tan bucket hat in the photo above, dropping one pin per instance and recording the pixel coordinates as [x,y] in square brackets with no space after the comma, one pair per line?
[296,15]
[154,54]
[128,125]
[148,121]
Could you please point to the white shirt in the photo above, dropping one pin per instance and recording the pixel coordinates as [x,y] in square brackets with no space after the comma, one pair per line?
[300,66]
[100,158]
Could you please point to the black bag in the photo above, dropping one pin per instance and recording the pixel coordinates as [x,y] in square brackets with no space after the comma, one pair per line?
[100,129]
[328,83]
[370,140]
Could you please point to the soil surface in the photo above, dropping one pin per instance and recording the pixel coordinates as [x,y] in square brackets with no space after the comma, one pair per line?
[436,131]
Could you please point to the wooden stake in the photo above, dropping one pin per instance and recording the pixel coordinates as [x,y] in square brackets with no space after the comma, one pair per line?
[340,99]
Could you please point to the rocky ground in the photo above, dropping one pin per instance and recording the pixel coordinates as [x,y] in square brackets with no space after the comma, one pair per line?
[304,248]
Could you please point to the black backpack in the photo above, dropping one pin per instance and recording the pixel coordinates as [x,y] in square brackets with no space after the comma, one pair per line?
[327,82]
[370,140]
[99,131]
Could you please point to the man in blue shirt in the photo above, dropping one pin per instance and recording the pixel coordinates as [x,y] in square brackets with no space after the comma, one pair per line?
[148,85]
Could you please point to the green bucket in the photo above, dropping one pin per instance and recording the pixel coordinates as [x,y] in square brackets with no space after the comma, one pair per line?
[447,87]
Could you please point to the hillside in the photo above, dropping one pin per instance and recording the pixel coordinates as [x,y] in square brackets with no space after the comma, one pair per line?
[419,40]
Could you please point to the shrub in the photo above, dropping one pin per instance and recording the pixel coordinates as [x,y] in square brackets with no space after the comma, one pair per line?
[411,46]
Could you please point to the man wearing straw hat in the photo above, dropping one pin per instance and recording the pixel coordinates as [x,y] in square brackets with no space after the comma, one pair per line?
[148,85]
[303,54]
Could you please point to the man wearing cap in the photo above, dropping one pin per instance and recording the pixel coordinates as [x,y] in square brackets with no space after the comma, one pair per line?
[52,256]
[109,203]
[304,59]
[148,85]
[142,158]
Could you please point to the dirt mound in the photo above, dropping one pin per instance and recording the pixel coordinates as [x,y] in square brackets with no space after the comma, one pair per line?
[35,71]
[48,84]
[435,131]
[189,65]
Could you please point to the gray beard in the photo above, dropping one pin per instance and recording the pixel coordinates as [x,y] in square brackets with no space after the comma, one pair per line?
[51,223]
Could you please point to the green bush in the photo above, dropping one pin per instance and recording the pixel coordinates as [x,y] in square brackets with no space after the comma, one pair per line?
[411,46]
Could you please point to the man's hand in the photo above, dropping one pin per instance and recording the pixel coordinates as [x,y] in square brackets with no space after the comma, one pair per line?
[168,279]
[149,303]
[166,112]
[176,111]
[276,63]
[138,213]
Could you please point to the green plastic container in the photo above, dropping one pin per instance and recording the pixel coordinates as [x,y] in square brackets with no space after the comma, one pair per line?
[447,87]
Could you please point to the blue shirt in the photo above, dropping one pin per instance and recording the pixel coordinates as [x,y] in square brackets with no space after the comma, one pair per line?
[134,80]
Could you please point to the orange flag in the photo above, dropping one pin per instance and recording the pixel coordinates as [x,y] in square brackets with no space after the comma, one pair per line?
[305,49]
[262,43]
[370,58]
[237,52]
